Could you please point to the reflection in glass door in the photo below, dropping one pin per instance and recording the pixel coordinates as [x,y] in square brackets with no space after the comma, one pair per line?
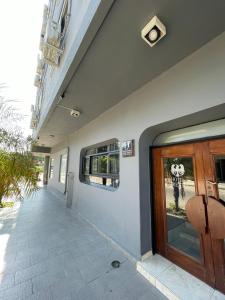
[220,180]
[179,188]
[220,176]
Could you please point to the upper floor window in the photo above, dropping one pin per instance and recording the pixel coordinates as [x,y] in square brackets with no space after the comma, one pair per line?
[100,165]
[63,168]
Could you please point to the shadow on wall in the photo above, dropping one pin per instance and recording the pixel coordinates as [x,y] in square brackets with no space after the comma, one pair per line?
[146,141]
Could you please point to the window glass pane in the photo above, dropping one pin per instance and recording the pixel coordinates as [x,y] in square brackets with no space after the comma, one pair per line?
[91,151]
[63,165]
[101,165]
[114,164]
[179,188]
[96,179]
[220,176]
[102,149]
[115,182]
[86,165]
[220,179]
[108,182]
[114,146]
[94,164]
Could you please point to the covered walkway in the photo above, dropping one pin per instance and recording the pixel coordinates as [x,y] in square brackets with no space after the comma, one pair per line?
[47,252]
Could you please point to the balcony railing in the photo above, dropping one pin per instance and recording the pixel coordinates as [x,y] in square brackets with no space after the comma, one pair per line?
[55,23]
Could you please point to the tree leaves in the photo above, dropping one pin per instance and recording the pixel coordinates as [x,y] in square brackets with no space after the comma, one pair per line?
[18,173]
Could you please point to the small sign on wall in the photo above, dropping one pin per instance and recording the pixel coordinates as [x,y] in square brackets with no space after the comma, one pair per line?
[128,148]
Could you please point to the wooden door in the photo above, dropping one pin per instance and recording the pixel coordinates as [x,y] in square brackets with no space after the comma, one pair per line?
[215,157]
[178,177]
[189,208]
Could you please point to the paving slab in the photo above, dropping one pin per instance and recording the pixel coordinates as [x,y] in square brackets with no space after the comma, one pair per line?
[48,252]
[174,282]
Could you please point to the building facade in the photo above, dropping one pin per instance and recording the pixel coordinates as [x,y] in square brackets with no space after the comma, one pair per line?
[136,132]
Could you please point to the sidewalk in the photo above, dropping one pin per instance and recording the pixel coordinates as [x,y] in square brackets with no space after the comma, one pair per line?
[47,253]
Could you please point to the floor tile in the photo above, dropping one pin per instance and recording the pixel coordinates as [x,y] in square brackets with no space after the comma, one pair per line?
[217,296]
[54,254]
[156,264]
[184,284]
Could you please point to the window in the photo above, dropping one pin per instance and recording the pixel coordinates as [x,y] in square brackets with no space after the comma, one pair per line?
[100,165]
[64,19]
[51,167]
[63,168]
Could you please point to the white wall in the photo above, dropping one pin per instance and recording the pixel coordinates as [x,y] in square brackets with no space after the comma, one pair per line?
[54,181]
[194,84]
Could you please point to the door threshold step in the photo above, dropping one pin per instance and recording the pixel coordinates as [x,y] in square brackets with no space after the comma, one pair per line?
[174,282]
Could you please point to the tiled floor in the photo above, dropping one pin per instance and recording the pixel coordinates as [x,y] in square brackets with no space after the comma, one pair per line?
[48,253]
[174,282]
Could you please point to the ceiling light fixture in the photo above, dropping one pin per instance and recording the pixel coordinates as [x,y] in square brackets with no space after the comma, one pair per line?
[153,31]
[73,111]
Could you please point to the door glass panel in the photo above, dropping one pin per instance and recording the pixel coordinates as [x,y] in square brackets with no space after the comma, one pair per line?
[220,176]
[179,188]
[220,179]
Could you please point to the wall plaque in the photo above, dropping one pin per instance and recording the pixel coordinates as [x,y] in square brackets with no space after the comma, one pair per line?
[128,148]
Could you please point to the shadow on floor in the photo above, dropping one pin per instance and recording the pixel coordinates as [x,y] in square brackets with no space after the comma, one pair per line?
[49,252]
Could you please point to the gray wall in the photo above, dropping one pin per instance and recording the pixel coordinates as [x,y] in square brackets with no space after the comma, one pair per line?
[193,85]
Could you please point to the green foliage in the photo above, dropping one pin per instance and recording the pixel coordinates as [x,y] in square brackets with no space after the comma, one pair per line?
[172,210]
[18,173]
[39,169]
[7,204]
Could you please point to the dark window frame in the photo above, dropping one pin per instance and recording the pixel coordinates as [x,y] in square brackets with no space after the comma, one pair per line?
[109,180]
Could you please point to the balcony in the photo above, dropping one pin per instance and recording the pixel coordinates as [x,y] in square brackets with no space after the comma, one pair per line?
[40,65]
[34,117]
[37,81]
[54,26]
